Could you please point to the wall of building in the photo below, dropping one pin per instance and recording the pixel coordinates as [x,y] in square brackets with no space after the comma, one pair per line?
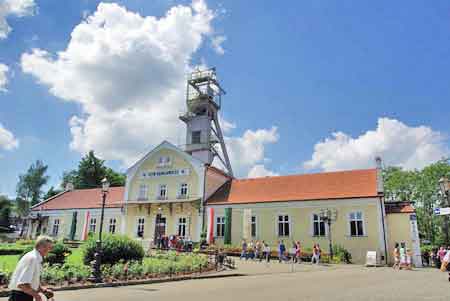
[301,224]
[65,221]
[399,231]
[173,183]
[171,212]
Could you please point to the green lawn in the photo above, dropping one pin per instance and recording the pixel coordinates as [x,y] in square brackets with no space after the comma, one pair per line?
[8,262]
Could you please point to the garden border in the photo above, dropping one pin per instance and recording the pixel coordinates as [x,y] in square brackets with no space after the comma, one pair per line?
[206,275]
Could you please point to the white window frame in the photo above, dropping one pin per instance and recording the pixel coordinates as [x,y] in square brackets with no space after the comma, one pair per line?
[143,192]
[92,224]
[139,225]
[55,228]
[313,221]
[112,225]
[256,226]
[182,195]
[222,222]
[164,161]
[284,222]
[199,137]
[355,219]
[185,224]
[166,190]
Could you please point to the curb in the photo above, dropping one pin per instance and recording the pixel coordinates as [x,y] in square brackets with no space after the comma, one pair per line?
[136,282]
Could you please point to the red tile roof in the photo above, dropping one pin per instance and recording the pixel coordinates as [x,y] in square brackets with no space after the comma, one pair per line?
[399,207]
[83,199]
[319,186]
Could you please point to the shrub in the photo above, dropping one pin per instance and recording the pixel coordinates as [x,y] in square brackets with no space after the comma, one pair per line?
[114,249]
[58,254]
[25,242]
[341,254]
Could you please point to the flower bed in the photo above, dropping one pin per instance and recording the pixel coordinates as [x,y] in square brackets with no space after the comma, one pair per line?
[161,265]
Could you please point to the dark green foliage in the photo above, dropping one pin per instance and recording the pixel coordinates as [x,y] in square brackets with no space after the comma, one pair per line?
[58,254]
[115,248]
[91,171]
[5,211]
[421,187]
[30,183]
[51,192]
[341,255]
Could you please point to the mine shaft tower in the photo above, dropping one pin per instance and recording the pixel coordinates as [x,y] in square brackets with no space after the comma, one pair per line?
[204,138]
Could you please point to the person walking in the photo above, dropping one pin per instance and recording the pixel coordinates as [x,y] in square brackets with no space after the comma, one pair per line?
[281,251]
[402,255]
[396,255]
[266,250]
[408,259]
[244,249]
[25,282]
[258,250]
[316,254]
[298,252]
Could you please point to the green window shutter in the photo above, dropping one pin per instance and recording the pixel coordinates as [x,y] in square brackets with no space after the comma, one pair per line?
[73,227]
[227,238]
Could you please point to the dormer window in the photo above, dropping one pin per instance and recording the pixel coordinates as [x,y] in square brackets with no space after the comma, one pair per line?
[164,161]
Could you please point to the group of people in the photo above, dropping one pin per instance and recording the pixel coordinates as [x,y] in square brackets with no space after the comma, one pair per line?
[174,242]
[437,257]
[260,250]
[402,257]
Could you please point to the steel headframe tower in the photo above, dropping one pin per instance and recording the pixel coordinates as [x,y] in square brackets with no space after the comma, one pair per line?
[204,135]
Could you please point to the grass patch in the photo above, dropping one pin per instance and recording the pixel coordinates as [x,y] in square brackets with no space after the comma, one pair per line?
[8,262]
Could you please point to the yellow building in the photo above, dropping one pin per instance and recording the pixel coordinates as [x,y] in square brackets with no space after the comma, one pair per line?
[170,192]
[173,191]
[290,208]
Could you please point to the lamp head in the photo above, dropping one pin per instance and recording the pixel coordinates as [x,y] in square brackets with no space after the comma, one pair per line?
[105,185]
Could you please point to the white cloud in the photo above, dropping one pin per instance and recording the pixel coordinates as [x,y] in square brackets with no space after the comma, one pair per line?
[3,77]
[216,43]
[18,8]
[7,139]
[128,73]
[259,170]
[249,150]
[226,126]
[397,143]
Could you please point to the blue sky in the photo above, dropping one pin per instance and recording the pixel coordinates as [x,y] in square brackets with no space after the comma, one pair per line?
[376,73]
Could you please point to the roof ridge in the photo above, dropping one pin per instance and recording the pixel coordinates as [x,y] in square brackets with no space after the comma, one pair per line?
[305,174]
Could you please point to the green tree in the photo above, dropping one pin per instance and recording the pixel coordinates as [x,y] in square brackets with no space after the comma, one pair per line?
[30,184]
[5,210]
[421,187]
[90,173]
[51,192]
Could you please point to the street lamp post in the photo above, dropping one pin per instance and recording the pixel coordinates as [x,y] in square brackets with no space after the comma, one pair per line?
[444,186]
[328,216]
[96,269]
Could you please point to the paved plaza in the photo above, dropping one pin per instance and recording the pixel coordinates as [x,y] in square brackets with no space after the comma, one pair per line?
[280,282]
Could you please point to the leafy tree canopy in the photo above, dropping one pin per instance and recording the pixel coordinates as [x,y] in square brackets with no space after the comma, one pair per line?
[91,171]
[30,184]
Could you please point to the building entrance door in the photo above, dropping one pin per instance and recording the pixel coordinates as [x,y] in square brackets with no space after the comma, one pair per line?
[160,229]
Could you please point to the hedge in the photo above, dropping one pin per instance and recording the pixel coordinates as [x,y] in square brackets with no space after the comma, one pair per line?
[115,248]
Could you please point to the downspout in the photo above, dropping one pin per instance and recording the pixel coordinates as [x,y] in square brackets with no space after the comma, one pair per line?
[202,203]
[383,212]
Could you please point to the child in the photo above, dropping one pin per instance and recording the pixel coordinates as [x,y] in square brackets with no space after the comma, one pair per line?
[408,259]
[396,255]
